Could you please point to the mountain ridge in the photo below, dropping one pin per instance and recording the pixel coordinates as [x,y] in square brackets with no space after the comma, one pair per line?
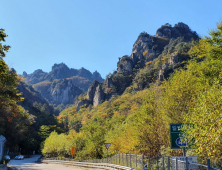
[153,58]
[60,71]
[62,84]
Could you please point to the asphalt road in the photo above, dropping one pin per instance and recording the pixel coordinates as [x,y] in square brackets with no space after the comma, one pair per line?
[29,164]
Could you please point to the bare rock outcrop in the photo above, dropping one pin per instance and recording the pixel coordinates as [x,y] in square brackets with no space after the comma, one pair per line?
[95,94]
[99,96]
[125,63]
[152,58]
[179,30]
[64,92]
[92,90]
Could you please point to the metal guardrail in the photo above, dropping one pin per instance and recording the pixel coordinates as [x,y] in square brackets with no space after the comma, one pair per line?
[136,162]
[133,161]
[87,164]
[186,165]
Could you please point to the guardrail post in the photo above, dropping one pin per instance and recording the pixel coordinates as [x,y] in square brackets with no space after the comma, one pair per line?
[187,163]
[136,161]
[130,161]
[142,160]
[157,162]
[149,164]
[163,163]
[107,157]
[176,163]
[168,162]
[119,158]
[126,160]
[116,159]
[208,164]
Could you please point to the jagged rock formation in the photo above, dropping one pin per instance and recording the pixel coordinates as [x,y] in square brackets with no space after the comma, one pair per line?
[59,91]
[95,93]
[125,63]
[91,91]
[179,30]
[153,58]
[36,77]
[147,47]
[64,92]
[60,71]
[62,84]
[99,96]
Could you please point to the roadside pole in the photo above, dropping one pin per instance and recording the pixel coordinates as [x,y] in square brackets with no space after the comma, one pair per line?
[107,156]
[184,152]
[107,145]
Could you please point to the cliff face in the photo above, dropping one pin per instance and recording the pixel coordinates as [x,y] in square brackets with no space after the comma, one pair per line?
[62,84]
[64,92]
[153,59]
[147,47]
[95,95]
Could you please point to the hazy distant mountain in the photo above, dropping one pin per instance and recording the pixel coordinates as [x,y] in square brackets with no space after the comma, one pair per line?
[60,71]
[62,84]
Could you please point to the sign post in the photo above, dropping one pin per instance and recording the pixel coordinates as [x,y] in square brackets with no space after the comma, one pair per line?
[176,138]
[107,145]
[73,151]
[177,142]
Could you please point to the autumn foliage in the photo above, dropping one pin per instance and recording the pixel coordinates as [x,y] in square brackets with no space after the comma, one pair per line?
[138,122]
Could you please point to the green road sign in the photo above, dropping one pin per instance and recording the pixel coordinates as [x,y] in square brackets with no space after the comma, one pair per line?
[176,136]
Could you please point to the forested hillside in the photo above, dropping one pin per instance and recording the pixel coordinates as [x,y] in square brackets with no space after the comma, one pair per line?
[138,121]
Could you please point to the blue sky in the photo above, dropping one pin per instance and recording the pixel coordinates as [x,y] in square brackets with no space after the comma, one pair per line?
[91,33]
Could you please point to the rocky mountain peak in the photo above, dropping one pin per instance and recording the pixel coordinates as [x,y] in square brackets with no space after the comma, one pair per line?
[182,25]
[60,66]
[62,84]
[97,76]
[148,47]
[151,55]
[179,30]
[24,74]
[84,73]
[38,71]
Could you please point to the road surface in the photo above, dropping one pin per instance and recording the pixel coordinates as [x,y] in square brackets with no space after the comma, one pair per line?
[29,164]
